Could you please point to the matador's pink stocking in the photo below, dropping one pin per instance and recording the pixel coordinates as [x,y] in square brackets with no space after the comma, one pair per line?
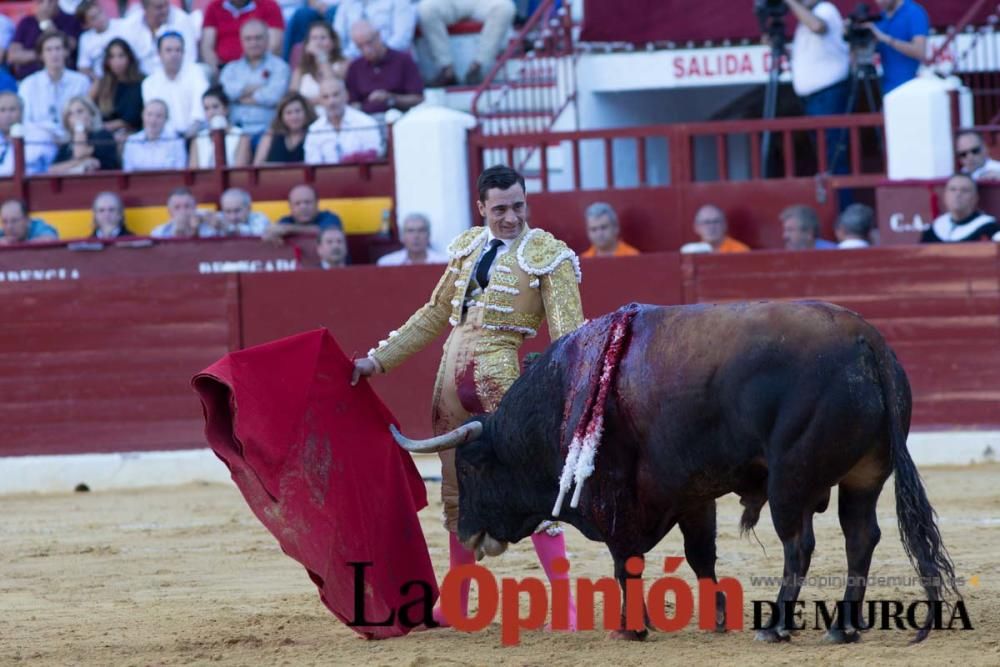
[457,555]
[549,548]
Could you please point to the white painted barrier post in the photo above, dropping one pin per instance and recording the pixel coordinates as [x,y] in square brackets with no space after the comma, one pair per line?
[918,130]
[430,145]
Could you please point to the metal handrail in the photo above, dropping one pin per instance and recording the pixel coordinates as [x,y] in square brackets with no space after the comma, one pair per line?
[967,19]
[516,48]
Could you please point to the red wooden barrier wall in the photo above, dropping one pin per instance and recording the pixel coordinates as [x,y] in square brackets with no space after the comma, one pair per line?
[103,363]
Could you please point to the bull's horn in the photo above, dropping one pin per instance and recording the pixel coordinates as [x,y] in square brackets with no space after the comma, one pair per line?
[449,440]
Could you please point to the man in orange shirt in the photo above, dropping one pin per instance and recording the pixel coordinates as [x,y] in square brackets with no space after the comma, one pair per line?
[710,225]
[602,230]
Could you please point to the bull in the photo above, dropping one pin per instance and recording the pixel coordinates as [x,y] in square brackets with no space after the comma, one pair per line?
[775,402]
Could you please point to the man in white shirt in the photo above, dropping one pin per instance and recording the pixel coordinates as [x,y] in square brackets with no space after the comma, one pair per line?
[47,91]
[395,21]
[344,133]
[142,28]
[39,151]
[99,30]
[416,238]
[970,149]
[155,147]
[854,227]
[821,64]
[179,84]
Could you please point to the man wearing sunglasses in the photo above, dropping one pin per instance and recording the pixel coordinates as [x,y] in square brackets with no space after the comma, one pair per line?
[973,157]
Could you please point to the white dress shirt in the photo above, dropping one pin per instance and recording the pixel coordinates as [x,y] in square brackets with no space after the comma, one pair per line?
[401,257]
[142,154]
[394,20]
[358,133]
[182,95]
[136,32]
[90,51]
[45,99]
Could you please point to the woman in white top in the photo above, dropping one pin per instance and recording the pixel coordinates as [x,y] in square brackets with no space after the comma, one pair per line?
[237,144]
[154,148]
[321,59]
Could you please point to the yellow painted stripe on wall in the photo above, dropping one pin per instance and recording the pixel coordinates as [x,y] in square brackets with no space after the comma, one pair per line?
[361,215]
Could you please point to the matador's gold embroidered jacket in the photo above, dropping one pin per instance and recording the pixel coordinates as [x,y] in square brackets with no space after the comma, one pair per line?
[535,279]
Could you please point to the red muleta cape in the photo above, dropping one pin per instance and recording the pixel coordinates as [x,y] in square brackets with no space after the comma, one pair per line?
[315,461]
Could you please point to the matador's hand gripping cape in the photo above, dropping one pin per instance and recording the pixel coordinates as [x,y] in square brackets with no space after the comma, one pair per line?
[315,461]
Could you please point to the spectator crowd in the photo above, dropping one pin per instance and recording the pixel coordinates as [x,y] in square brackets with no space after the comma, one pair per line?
[289,80]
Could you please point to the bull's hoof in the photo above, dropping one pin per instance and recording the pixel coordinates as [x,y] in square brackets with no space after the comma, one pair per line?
[773,636]
[720,623]
[629,635]
[842,636]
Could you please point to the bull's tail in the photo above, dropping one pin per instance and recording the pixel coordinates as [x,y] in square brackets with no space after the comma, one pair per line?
[917,519]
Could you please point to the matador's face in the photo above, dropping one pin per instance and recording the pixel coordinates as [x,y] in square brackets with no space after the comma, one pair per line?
[505,211]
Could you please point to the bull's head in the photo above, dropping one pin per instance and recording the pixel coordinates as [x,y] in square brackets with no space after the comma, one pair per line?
[496,497]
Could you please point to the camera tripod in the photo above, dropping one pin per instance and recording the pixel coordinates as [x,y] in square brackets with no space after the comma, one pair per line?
[776,37]
[863,79]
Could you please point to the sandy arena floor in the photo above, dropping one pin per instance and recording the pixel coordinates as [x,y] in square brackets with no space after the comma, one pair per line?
[187,575]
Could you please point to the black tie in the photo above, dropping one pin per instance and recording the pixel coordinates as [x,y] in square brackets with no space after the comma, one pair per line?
[483,272]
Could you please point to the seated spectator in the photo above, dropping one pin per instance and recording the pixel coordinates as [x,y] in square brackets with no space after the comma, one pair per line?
[395,21]
[23,54]
[118,93]
[178,83]
[47,91]
[285,141]
[974,157]
[344,133]
[39,151]
[416,238]
[603,230]
[305,217]
[256,82]
[332,248]
[711,226]
[962,221]
[154,147]
[17,226]
[497,16]
[381,79]
[238,218]
[800,226]
[297,25]
[186,221]
[321,59]
[142,29]
[854,227]
[220,35]
[237,143]
[109,217]
[98,31]
[90,146]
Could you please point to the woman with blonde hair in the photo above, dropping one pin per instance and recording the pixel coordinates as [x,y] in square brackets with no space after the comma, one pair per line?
[321,59]
[90,146]
[284,142]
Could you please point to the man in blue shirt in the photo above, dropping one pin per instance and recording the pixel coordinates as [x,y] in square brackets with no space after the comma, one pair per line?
[902,35]
[16,226]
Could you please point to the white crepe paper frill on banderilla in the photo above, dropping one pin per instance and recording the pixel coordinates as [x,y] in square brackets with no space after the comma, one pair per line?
[583,448]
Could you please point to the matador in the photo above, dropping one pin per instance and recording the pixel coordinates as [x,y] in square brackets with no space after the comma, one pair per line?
[503,279]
